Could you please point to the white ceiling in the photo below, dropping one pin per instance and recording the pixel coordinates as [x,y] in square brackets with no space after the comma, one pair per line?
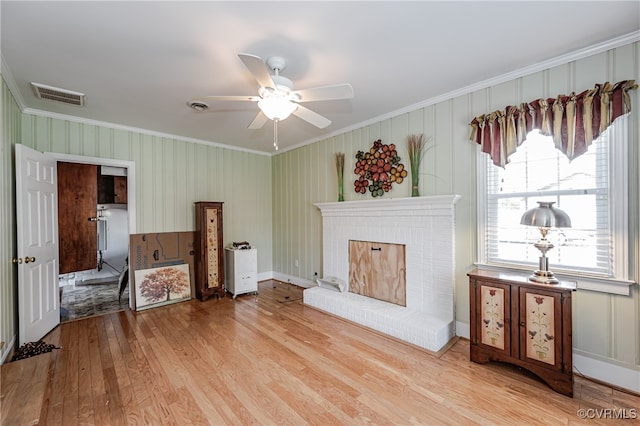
[140,62]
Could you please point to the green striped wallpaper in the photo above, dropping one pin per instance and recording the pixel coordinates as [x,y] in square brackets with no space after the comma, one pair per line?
[606,326]
[10,123]
[269,200]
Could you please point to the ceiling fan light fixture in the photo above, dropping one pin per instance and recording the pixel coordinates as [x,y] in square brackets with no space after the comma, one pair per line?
[277,98]
[277,108]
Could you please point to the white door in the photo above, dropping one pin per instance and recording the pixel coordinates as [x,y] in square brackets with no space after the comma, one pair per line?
[36,221]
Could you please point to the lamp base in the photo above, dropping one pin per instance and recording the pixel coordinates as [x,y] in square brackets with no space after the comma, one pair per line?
[543,277]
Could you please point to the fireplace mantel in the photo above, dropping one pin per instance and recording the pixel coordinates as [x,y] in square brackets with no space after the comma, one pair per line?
[407,204]
[425,225]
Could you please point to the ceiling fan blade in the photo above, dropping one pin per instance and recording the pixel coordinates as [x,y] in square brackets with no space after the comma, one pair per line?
[258,68]
[226,98]
[312,117]
[258,122]
[325,93]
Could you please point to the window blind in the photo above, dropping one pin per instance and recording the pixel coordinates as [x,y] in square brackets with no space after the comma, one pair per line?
[537,171]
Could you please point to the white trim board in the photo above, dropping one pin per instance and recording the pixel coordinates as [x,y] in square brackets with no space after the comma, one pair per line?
[463,330]
[616,375]
[300,282]
[131,177]
[8,348]
[131,187]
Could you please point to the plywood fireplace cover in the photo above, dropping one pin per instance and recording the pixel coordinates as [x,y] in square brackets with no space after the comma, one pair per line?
[378,270]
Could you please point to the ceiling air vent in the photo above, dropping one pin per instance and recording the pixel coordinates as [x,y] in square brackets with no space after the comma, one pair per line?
[57,94]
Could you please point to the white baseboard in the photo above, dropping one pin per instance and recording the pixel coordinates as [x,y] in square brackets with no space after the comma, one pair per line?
[300,282]
[263,276]
[463,330]
[7,349]
[616,375]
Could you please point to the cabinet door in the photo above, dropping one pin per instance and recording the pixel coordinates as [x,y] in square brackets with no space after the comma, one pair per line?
[212,253]
[541,327]
[493,322]
[246,261]
[120,189]
[245,283]
[112,189]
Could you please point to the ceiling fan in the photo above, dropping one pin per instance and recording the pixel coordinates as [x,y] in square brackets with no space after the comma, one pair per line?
[277,98]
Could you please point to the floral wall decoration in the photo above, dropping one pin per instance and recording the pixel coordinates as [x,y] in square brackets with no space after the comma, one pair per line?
[378,169]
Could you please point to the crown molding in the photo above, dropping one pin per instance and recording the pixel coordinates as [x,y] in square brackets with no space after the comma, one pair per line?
[91,122]
[11,83]
[494,81]
[522,72]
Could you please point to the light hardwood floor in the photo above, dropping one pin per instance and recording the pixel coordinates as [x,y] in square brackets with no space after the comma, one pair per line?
[269,360]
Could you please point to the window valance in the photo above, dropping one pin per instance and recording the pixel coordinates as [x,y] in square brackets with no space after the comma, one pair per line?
[573,121]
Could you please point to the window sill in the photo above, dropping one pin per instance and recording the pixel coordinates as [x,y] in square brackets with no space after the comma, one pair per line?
[584,282]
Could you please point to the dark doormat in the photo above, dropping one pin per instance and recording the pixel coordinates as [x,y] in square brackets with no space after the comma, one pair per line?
[32,349]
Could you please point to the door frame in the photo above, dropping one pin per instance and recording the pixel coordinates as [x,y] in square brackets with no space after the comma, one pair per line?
[130,166]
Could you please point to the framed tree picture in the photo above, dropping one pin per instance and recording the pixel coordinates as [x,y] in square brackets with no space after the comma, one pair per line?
[161,286]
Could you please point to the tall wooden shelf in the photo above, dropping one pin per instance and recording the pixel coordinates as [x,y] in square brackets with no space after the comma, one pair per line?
[209,258]
[524,323]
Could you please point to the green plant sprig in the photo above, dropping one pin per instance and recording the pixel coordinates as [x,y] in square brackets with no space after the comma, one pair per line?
[415,146]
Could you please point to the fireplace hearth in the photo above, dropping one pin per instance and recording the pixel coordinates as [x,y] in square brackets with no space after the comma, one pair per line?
[425,227]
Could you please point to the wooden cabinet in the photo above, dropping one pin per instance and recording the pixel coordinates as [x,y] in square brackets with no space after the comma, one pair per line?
[241,271]
[209,263]
[524,323]
[112,189]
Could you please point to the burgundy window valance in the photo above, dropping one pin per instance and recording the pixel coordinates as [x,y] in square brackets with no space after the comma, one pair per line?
[573,121]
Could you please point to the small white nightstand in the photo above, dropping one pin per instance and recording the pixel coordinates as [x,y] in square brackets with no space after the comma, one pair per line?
[241,271]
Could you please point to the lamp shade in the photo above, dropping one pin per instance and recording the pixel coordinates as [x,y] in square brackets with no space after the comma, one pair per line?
[546,216]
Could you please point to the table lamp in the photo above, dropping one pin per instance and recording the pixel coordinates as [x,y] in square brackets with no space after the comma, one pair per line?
[545,217]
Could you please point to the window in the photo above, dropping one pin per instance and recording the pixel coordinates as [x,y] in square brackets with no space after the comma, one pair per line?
[591,189]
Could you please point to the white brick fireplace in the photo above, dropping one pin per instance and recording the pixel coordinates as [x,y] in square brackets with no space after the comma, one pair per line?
[425,225]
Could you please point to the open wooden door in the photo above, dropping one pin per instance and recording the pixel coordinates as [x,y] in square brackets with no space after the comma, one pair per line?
[77,216]
[36,221]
